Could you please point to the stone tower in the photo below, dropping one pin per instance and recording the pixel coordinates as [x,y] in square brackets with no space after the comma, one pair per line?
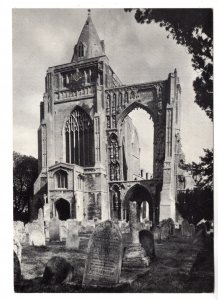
[88,147]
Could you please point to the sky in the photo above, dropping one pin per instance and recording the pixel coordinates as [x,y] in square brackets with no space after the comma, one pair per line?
[137,53]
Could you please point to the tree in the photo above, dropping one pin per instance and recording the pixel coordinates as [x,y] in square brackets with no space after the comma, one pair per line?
[202,172]
[197,204]
[192,28]
[25,171]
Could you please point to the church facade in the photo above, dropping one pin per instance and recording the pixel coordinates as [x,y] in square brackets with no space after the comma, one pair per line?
[88,147]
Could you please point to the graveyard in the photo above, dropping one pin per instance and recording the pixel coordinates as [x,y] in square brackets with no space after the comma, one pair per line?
[108,257]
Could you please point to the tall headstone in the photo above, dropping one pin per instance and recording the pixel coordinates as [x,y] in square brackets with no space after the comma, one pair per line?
[63,230]
[134,257]
[103,263]
[72,239]
[54,229]
[186,230]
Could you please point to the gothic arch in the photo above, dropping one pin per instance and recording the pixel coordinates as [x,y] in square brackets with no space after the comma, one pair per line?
[133,106]
[79,138]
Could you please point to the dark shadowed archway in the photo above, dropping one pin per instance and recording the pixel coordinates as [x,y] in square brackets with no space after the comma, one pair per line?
[63,208]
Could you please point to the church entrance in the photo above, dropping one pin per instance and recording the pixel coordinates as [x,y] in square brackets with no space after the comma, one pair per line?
[62,207]
[143,199]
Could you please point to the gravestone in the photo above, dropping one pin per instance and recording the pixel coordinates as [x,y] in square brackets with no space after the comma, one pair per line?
[63,230]
[19,232]
[54,229]
[72,239]
[165,231]
[146,239]
[134,257]
[37,238]
[186,230]
[103,263]
[156,233]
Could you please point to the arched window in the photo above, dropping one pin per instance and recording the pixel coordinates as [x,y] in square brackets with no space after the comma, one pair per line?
[61,179]
[79,135]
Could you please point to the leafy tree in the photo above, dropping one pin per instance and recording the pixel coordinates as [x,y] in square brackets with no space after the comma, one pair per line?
[192,28]
[197,204]
[202,172]
[25,171]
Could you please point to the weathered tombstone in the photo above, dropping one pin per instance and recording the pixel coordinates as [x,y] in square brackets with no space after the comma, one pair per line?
[58,270]
[17,271]
[146,239]
[72,239]
[37,238]
[63,230]
[165,231]
[156,233]
[41,220]
[54,229]
[19,231]
[103,264]
[185,229]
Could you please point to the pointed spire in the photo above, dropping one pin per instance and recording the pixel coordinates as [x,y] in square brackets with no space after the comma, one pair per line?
[89,44]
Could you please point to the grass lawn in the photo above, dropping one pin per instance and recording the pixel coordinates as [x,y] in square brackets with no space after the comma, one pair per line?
[172,272]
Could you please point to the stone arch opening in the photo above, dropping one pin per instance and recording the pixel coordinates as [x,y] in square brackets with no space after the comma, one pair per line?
[144,203]
[63,209]
[136,130]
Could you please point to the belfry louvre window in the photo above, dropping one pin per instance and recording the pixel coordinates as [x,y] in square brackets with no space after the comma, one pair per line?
[79,134]
[61,179]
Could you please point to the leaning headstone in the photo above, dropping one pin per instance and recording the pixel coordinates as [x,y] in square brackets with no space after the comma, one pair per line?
[54,229]
[103,263]
[72,240]
[17,271]
[58,270]
[37,238]
[146,239]
[186,230]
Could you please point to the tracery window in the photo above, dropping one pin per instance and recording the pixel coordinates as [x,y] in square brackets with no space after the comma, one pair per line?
[114,157]
[79,135]
[61,179]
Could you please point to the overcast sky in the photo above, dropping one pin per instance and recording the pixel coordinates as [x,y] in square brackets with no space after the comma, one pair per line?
[137,53]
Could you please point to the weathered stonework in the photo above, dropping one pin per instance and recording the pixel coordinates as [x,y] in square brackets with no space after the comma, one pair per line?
[89,148]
